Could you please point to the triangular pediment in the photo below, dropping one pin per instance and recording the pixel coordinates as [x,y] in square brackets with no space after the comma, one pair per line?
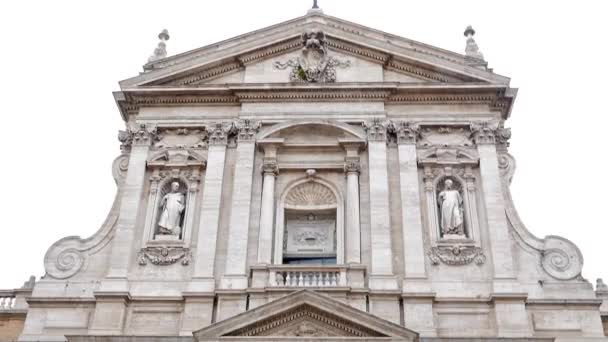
[399,59]
[306,314]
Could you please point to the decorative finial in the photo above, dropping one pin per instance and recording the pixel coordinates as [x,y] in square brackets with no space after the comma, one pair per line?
[161,50]
[601,286]
[472,50]
[315,8]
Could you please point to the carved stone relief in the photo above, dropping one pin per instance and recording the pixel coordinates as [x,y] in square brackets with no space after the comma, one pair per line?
[443,136]
[181,138]
[163,256]
[314,64]
[305,321]
[310,194]
[457,255]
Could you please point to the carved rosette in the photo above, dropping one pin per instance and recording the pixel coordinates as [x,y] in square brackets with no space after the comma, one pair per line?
[376,130]
[407,133]
[163,256]
[456,255]
[247,130]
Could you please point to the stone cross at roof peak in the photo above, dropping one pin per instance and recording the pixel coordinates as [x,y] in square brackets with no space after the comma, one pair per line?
[315,7]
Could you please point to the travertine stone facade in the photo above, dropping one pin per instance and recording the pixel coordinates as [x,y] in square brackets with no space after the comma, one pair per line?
[324,179]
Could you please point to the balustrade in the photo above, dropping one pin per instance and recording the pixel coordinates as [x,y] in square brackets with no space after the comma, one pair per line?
[7,300]
[315,276]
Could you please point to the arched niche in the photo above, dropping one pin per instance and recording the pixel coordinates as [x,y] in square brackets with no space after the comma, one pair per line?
[309,224]
[164,188]
[463,181]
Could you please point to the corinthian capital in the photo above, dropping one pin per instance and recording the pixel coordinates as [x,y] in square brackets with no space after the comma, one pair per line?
[142,135]
[376,129]
[484,133]
[407,132]
[247,129]
[502,137]
[218,133]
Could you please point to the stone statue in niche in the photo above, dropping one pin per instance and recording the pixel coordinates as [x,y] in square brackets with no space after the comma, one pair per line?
[171,217]
[451,219]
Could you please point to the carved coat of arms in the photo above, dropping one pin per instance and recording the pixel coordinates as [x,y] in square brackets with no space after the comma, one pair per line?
[314,65]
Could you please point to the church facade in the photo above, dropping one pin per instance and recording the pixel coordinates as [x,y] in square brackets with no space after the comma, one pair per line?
[314,180]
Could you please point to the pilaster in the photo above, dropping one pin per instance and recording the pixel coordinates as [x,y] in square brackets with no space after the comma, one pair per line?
[235,275]
[204,259]
[381,274]
[502,256]
[411,218]
[137,141]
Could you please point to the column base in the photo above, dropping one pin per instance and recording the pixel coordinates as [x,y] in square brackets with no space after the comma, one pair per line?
[234,282]
[383,282]
[201,285]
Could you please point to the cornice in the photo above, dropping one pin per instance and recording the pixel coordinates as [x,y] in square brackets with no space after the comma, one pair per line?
[497,97]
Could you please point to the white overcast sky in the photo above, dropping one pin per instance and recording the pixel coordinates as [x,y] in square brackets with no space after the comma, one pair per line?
[61,60]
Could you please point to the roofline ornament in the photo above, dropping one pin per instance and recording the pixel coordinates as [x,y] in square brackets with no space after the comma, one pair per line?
[314,65]
[161,49]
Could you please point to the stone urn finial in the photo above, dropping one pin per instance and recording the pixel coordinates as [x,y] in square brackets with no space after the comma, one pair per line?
[601,286]
[472,50]
[161,50]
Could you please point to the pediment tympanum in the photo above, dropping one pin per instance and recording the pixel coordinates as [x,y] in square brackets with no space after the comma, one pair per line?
[419,62]
[305,314]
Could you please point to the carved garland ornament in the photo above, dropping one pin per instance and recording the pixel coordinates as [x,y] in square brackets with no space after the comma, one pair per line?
[314,65]
[457,255]
[163,256]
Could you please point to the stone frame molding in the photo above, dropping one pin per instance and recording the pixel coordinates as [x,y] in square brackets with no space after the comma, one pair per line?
[453,159]
[281,205]
[166,166]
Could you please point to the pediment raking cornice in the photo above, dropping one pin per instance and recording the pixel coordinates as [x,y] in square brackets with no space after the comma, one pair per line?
[396,53]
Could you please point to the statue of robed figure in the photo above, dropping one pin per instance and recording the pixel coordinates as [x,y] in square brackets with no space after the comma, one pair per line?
[450,204]
[173,205]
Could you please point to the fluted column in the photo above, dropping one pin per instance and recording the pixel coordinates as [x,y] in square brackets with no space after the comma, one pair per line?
[235,275]
[269,170]
[381,274]
[502,256]
[411,218]
[352,168]
[204,259]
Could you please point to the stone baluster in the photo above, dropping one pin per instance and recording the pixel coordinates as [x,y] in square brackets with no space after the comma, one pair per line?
[381,275]
[235,275]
